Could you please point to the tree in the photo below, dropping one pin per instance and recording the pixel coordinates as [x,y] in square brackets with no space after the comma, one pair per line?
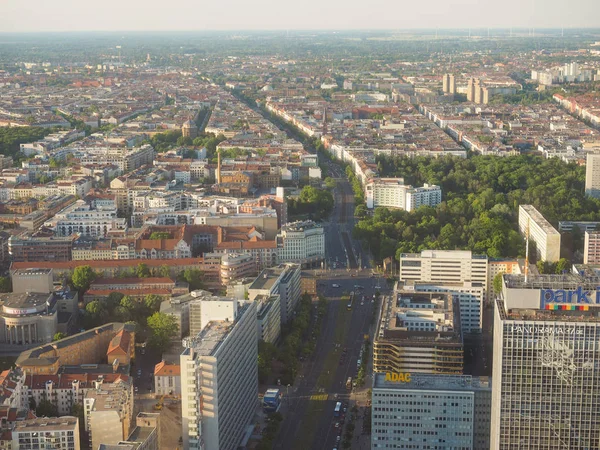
[5,284]
[562,265]
[160,235]
[113,300]
[162,327]
[164,271]
[95,314]
[142,271]
[497,283]
[46,409]
[193,277]
[83,276]
[58,336]
[330,183]
[152,302]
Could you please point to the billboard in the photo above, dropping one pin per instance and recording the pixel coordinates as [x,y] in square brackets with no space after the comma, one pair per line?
[579,299]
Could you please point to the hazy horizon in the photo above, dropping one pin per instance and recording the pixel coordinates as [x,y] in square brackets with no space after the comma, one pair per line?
[311,15]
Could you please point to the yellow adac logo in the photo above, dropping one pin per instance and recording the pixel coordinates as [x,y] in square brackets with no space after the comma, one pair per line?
[398,377]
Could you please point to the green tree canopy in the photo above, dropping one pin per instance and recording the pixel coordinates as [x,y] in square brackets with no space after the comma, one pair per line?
[58,336]
[82,277]
[162,327]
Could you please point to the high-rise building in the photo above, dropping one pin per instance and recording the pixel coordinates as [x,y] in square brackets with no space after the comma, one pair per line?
[545,379]
[430,411]
[219,380]
[591,247]
[541,232]
[448,84]
[419,332]
[592,174]
[444,266]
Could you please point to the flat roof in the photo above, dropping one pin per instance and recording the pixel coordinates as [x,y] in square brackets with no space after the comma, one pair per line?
[53,423]
[424,382]
[539,220]
[24,299]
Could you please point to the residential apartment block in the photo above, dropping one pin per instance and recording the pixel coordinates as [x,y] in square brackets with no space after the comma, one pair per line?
[591,247]
[544,235]
[60,433]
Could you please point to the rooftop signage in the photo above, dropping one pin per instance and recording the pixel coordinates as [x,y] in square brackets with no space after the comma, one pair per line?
[561,299]
[398,377]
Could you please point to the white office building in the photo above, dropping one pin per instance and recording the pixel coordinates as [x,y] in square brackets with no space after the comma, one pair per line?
[301,243]
[444,266]
[430,411]
[219,381]
[393,193]
[545,379]
[544,235]
[470,298]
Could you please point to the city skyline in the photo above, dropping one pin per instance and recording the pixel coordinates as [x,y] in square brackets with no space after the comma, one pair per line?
[134,15]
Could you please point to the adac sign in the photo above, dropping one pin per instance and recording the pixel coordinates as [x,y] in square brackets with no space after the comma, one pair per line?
[397,377]
[579,296]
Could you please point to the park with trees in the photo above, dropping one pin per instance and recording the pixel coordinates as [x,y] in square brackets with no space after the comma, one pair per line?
[312,203]
[479,211]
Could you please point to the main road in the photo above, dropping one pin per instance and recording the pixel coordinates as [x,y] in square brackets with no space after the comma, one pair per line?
[346,267]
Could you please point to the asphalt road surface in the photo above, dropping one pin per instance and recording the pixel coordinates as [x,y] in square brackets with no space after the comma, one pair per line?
[343,255]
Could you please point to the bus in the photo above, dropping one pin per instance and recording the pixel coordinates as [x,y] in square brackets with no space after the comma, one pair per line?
[349,306]
[338,409]
[349,383]
[272,400]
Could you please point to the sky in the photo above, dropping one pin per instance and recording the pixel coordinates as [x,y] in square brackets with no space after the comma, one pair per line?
[159,15]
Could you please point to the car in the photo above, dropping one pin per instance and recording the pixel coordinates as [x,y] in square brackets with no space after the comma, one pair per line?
[337,424]
[377,287]
[362,303]
[337,439]
[135,389]
[359,362]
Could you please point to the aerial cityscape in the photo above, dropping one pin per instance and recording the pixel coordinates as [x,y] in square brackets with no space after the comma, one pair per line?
[294,238]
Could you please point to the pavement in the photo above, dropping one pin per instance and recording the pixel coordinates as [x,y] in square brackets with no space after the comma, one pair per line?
[300,398]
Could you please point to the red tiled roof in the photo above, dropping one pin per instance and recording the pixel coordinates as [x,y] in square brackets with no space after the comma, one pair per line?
[120,343]
[162,369]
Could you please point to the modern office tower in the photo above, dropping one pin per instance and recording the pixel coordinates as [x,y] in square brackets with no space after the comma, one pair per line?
[419,332]
[470,298]
[545,379]
[219,380]
[444,266]
[592,174]
[60,433]
[429,411]
[591,247]
[544,235]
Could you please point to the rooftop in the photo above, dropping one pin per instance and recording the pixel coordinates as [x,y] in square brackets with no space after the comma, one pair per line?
[59,423]
[420,381]
[539,220]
